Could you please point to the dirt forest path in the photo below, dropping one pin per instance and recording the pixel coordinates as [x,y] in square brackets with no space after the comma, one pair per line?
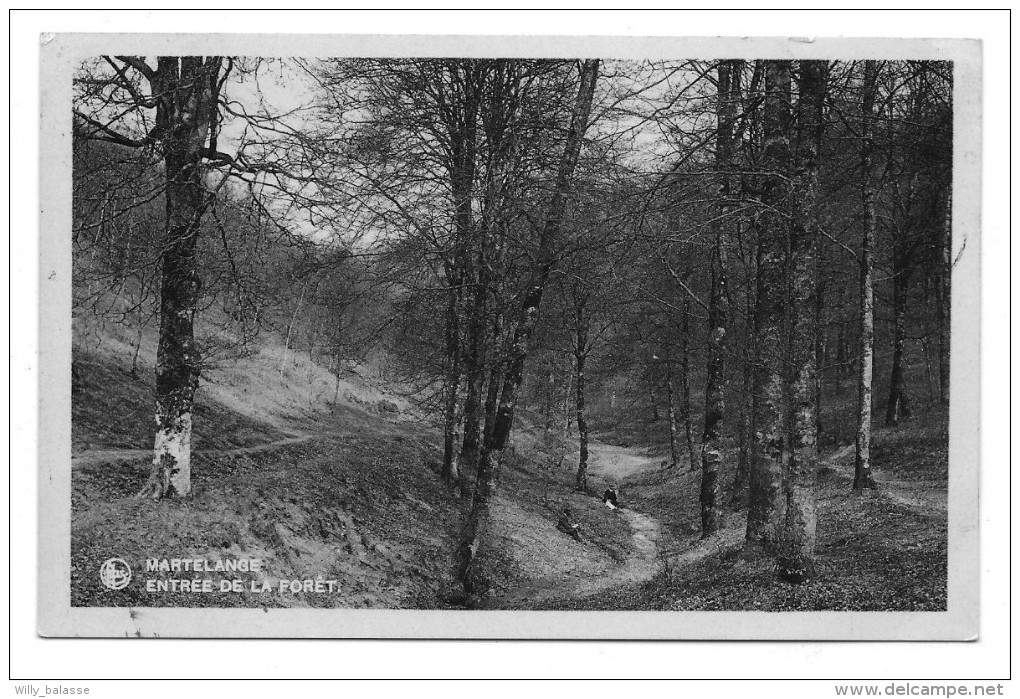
[96,457]
[614,464]
[95,461]
[572,572]
[922,497]
[579,573]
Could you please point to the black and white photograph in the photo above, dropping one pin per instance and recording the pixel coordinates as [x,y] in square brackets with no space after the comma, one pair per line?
[412,330]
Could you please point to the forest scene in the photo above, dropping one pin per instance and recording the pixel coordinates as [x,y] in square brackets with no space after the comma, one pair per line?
[506,333]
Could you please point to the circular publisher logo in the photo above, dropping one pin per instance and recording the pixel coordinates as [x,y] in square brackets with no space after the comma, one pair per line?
[115,573]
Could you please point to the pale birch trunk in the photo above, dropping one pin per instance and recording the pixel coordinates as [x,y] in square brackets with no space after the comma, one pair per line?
[674,442]
[185,90]
[863,478]
[290,330]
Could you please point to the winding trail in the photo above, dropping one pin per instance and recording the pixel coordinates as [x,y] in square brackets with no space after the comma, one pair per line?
[925,498]
[83,462]
[582,574]
[96,457]
[615,463]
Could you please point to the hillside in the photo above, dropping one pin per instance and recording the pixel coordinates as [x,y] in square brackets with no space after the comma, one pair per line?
[349,491]
[315,489]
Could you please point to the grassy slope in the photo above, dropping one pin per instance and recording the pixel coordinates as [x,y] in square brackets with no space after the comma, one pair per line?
[358,500]
[524,546]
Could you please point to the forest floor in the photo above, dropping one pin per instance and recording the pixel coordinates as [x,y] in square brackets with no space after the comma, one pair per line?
[879,550]
[349,490]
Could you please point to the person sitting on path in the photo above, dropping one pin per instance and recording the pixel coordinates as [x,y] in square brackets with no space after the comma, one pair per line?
[567,527]
[610,498]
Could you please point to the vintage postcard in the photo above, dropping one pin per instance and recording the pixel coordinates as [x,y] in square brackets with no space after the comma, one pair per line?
[509,337]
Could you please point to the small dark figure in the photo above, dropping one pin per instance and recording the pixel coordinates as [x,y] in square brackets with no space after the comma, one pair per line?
[610,499]
[567,527]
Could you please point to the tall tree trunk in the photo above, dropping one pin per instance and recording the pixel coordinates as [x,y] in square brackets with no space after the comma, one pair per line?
[581,350]
[770,448]
[863,477]
[651,398]
[462,126]
[926,333]
[475,365]
[819,343]
[674,442]
[929,290]
[290,329]
[796,559]
[744,457]
[568,390]
[550,401]
[685,386]
[494,381]
[715,406]
[944,298]
[898,406]
[338,355]
[473,419]
[718,316]
[497,438]
[185,91]
[580,355]
[738,498]
[495,324]
[451,406]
